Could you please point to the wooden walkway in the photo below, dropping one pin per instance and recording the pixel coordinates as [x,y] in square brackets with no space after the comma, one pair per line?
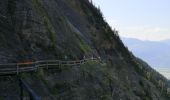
[17,68]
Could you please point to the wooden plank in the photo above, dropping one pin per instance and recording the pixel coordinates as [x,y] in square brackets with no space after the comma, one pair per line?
[10,72]
[28,68]
[7,69]
[9,64]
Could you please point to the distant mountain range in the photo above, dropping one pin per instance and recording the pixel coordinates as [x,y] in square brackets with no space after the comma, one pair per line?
[155,53]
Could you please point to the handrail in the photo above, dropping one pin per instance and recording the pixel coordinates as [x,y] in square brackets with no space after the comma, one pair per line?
[8,64]
[16,68]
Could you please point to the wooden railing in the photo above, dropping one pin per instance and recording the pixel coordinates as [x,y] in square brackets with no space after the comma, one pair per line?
[16,68]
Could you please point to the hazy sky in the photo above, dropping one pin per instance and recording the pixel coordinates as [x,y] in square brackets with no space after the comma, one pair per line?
[142,19]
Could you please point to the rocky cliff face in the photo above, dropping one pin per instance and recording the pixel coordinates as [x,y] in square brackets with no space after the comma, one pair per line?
[71,29]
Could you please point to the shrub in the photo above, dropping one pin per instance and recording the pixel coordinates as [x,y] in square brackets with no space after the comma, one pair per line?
[47,22]
[11,7]
[148,75]
[168,92]
[82,44]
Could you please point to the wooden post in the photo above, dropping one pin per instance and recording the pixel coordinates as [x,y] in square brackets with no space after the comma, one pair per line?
[47,64]
[31,98]
[68,63]
[36,67]
[17,69]
[59,65]
[74,62]
[21,90]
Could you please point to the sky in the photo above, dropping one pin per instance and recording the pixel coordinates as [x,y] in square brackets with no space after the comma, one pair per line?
[141,19]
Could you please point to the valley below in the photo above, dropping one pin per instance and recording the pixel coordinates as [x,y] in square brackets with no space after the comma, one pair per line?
[155,53]
[164,71]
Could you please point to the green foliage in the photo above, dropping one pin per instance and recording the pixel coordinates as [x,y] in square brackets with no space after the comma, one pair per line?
[95,15]
[148,75]
[40,72]
[11,7]
[1,98]
[77,38]
[2,40]
[89,65]
[168,91]
[106,97]
[45,81]
[50,30]
[141,83]
[157,79]
[82,44]
[42,11]
[61,87]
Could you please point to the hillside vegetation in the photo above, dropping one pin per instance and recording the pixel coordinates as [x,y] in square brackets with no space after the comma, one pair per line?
[33,30]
